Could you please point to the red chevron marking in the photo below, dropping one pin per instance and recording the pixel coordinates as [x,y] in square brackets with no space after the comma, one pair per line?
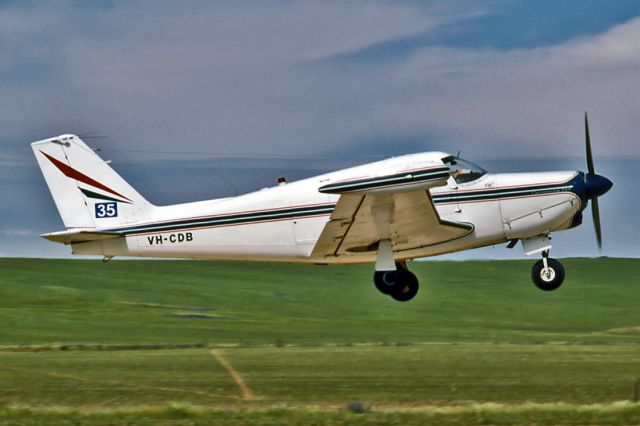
[72,173]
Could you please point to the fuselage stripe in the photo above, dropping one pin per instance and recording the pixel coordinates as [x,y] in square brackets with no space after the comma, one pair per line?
[500,193]
[230,219]
[291,213]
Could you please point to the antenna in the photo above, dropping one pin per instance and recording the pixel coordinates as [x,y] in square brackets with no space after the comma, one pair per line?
[225,180]
[92,135]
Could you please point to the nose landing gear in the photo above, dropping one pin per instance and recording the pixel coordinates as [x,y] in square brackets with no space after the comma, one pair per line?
[547,273]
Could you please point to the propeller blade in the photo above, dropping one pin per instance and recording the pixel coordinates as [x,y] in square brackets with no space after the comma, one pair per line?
[590,167]
[595,212]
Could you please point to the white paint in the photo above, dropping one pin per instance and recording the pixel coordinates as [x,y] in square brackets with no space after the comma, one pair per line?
[494,221]
[385,261]
[536,245]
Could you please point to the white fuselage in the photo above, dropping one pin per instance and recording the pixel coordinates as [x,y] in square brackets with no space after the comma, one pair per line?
[283,223]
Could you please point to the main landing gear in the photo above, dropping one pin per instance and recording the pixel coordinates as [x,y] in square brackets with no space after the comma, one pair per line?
[393,278]
[547,273]
[401,284]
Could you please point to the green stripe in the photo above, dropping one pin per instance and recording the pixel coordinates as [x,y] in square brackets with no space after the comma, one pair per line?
[95,195]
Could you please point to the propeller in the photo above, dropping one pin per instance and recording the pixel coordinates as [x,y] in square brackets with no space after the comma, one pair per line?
[596,185]
[587,138]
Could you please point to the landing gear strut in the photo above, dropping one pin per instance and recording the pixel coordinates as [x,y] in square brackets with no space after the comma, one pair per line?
[547,273]
[401,284]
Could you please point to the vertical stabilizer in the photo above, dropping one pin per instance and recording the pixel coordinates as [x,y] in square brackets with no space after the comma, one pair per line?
[87,191]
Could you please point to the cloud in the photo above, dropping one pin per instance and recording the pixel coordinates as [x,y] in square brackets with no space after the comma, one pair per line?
[272,78]
[18,232]
[537,96]
[329,80]
[239,75]
[281,77]
[6,162]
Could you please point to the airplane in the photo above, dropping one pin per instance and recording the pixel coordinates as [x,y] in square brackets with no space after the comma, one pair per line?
[386,212]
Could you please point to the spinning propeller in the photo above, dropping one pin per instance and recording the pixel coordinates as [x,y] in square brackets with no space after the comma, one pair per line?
[595,185]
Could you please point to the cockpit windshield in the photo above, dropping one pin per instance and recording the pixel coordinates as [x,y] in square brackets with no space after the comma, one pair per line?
[463,171]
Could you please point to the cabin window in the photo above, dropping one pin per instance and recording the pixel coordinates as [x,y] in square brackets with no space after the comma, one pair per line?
[464,171]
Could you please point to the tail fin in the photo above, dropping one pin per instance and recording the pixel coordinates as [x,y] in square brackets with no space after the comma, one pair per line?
[86,190]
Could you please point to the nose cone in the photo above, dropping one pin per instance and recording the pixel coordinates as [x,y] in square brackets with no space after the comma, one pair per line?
[596,185]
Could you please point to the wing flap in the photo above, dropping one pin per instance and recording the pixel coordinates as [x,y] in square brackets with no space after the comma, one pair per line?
[340,222]
[416,223]
[408,219]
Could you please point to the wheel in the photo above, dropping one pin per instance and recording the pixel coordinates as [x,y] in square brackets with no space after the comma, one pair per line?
[407,286]
[385,281]
[550,279]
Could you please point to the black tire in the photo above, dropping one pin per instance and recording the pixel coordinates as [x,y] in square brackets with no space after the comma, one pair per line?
[551,281]
[385,281]
[407,286]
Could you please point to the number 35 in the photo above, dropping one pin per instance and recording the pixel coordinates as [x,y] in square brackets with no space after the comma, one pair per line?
[106,210]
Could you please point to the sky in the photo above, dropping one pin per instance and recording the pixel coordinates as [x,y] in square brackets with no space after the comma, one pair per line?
[196,100]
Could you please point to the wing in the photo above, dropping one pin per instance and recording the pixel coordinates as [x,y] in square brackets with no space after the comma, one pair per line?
[407,218]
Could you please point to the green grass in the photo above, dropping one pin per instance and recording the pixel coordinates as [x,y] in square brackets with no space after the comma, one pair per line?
[479,344]
[80,301]
[483,414]
[466,383]
[415,375]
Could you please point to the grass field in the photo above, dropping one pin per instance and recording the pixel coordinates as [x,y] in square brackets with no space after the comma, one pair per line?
[200,342]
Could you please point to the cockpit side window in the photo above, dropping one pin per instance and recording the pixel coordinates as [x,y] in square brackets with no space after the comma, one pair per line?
[463,171]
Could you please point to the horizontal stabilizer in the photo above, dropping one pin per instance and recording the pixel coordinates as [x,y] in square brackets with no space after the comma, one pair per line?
[74,236]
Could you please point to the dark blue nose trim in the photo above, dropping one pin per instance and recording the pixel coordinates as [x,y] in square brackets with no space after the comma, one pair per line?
[596,185]
[587,186]
[579,187]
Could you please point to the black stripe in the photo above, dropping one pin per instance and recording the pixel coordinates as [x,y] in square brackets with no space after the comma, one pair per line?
[228,220]
[300,212]
[376,184]
[383,181]
[500,193]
